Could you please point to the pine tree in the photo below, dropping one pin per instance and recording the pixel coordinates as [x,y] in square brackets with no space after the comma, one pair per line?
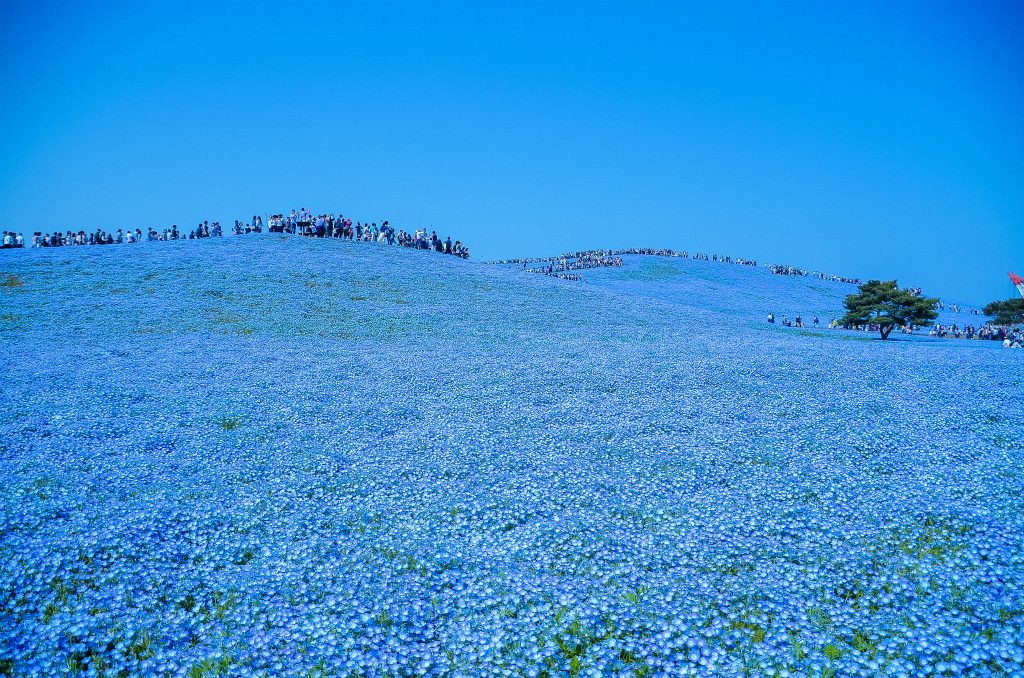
[885,304]
[1009,312]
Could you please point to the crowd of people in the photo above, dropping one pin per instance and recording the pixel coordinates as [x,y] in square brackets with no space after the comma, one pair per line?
[1011,338]
[780,269]
[958,308]
[101,237]
[555,274]
[584,261]
[592,255]
[648,251]
[256,226]
[563,265]
[1014,336]
[797,321]
[12,239]
[610,255]
[943,306]
[701,256]
[302,222]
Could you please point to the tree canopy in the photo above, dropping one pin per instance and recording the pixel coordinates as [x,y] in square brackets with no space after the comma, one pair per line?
[1009,312]
[885,304]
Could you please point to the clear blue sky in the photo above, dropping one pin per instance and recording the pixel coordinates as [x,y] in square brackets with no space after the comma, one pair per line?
[863,139]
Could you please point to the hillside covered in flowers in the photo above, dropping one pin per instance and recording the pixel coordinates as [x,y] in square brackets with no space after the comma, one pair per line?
[277,456]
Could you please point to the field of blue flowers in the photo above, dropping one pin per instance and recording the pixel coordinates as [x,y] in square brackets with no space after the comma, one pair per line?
[271,456]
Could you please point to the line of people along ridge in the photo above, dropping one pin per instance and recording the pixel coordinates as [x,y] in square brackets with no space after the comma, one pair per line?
[558,266]
[298,222]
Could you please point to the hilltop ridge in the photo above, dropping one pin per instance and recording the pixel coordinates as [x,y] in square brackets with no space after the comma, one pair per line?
[229,285]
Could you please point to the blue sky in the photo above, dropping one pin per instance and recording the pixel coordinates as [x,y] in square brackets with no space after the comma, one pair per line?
[875,140]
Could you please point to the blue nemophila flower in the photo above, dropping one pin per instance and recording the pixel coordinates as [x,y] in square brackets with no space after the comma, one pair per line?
[416,466]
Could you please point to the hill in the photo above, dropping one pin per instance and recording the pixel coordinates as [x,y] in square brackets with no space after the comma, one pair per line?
[272,455]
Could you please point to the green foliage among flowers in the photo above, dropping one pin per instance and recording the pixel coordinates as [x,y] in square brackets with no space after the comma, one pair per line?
[886,305]
[1009,312]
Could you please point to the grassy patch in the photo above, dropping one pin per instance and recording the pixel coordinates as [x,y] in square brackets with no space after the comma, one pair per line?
[230,423]
[937,537]
[211,667]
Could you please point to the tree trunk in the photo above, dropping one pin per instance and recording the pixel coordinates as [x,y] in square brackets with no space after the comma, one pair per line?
[885,330]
